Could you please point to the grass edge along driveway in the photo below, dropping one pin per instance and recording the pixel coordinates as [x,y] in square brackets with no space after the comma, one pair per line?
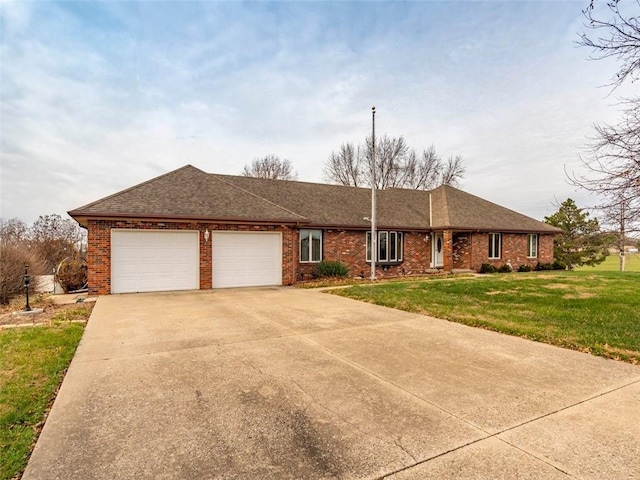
[596,312]
[33,361]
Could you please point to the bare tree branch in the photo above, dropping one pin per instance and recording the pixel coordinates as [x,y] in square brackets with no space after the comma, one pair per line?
[397,166]
[453,171]
[272,167]
[616,35]
[344,167]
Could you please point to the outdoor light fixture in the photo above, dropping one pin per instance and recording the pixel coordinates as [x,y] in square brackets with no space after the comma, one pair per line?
[27,281]
[206,236]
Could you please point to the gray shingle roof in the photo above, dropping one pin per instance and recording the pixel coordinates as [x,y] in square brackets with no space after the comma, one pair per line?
[190,193]
[187,193]
[454,209]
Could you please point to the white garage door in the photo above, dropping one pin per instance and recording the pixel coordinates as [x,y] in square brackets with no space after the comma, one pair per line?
[154,260]
[246,259]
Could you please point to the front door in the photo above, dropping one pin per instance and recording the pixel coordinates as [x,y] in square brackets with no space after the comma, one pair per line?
[437,249]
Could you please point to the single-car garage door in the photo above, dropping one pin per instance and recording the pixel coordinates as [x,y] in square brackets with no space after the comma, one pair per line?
[246,259]
[154,260]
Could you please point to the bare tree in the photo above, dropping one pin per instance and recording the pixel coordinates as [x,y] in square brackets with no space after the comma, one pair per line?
[619,211]
[344,166]
[453,171]
[612,164]
[272,167]
[616,35]
[12,231]
[55,238]
[611,167]
[397,166]
[15,254]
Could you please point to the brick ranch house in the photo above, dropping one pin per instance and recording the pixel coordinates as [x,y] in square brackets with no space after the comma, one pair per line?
[189,229]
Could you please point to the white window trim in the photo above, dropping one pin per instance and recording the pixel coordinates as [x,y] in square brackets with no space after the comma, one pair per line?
[530,244]
[491,243]
[310,230]
[399,246]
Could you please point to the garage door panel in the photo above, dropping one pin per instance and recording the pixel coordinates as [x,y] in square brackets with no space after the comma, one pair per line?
[243,259]
[148,261]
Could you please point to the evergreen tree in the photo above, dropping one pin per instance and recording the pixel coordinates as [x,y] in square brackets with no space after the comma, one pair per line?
[581,241]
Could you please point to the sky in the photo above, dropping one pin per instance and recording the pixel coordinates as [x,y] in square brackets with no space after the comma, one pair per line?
[99,96]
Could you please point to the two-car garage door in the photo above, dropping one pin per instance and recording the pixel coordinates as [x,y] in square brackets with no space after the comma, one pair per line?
[161,260]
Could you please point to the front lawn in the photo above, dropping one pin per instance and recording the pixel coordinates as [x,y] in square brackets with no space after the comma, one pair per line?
[594,312]
[612,264]
[33,361]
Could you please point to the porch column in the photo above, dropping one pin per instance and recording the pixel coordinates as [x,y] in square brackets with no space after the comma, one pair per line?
[448,250]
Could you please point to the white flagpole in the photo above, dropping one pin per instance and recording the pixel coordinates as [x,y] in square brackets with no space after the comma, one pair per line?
[374,239]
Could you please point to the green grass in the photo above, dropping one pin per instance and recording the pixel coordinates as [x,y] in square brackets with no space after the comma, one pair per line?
[33,361]
[612,264]
[594,312]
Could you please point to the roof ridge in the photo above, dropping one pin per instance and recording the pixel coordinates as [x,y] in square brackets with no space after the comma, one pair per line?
[494,204]
[217,177]
[187,166]
[293,181]
[446,202]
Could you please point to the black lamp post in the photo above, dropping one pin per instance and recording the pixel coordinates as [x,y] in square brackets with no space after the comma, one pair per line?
[27,307]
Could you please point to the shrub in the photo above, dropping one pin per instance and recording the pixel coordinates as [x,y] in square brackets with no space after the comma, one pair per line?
[487,268]
[543,267]
[558,265]
[13,258]
[330,269]
[524,268]
[506,268]
[72,274]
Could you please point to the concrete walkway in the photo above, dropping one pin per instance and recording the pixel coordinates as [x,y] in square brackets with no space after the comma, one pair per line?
[287,383]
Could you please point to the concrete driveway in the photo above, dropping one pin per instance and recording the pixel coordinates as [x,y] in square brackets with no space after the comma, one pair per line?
[288,383]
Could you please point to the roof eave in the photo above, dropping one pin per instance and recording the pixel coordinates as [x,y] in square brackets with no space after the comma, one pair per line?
[82,217]
[365,227]
[551,231]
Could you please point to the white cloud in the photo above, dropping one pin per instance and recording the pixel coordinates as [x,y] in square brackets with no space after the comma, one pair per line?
[99,96]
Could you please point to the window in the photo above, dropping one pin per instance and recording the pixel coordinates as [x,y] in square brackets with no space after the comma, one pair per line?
[310,245]
[532,245]
[389,247]
[495,245]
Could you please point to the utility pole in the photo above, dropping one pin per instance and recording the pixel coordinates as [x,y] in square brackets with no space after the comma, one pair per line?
[374,239]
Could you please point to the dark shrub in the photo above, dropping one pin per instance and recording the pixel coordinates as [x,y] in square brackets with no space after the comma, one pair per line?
[72,274]
[543,267]
[557,265]
[330,269]
[524,268]
[487,268]
[506,268]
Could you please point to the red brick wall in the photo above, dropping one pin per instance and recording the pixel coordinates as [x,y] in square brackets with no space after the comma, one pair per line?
[349,247]
[99,248]
[545,248]
[462,250]
[466,251]
[514,251]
